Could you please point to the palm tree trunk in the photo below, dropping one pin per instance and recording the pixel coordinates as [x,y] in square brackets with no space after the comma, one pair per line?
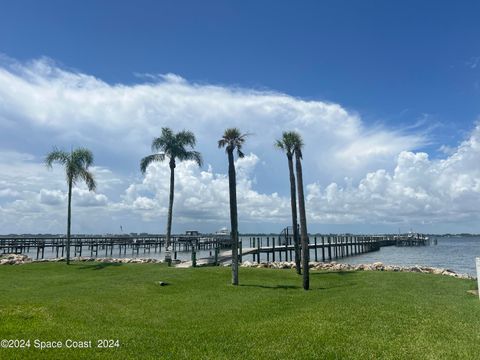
[303,223]
[293,202]
[69,218]
[232,185]
[168,258]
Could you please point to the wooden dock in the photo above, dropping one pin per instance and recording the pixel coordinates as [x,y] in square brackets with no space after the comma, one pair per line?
[108,246]
[272,248]
[322,247]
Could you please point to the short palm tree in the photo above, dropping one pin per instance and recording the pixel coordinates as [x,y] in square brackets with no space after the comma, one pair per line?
[76,165]
[301,209]
[287,144]
[174,147]
[232,139]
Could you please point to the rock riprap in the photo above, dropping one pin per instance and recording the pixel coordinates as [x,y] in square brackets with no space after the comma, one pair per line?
[377,266]
[14,259]
[18,259]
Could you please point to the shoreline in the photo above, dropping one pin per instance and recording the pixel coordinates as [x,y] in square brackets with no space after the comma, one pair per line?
[18,259]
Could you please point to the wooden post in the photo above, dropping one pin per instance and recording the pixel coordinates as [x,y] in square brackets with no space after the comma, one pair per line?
[335,247]
[241,251]
[258,250]
[273,249]
[279,249]
[268,246]
[316,255]
[323,248]
[329,248]
[194,257]
[290,243]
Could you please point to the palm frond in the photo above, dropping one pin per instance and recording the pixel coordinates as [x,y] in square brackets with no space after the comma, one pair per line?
[279,144]
[89,179]
[163,142]
[174,146]
[232,138]
[185,138]
[296,139]
[193,155]
[147,160]
[76,164]
[71,171]
[56,156]
[289,142]
[83,157]
[158,144]
[231,133]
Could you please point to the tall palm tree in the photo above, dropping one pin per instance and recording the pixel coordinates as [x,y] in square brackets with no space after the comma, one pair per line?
[174,147]
[76,163]
[232,139]
[287,144]
[301,209]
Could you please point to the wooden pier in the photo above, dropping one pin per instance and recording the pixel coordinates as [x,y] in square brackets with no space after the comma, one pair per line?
[322,247]
[269,248]
[329,247]
[109,246]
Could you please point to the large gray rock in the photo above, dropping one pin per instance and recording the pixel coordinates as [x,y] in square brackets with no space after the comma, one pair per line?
[14,259]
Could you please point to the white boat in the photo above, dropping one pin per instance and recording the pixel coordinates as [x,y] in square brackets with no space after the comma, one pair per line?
[222,231]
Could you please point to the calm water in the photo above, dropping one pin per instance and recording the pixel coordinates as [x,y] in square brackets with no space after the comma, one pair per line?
[455,253]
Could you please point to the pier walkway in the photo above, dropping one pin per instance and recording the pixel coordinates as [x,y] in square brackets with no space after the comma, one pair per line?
[269,248]
[322,247]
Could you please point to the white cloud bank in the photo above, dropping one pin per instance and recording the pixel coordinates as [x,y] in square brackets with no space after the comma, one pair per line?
[71,107]
[400,188]
[418,191]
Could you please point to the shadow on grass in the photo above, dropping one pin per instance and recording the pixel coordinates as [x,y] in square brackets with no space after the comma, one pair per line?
[349,275]
[313,275]
[275,287]
[97,266]
[342,273]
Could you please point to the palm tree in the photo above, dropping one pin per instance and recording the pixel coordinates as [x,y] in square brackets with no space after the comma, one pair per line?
[174,147]
[76,164]
[232,139]
[301,209]
[287,144]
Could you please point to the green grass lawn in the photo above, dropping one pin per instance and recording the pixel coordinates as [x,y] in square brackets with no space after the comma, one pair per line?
[351,315]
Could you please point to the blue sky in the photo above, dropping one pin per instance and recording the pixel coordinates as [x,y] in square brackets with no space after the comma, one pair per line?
[404,76]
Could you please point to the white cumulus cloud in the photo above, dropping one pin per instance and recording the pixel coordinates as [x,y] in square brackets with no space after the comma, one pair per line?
[386,180]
